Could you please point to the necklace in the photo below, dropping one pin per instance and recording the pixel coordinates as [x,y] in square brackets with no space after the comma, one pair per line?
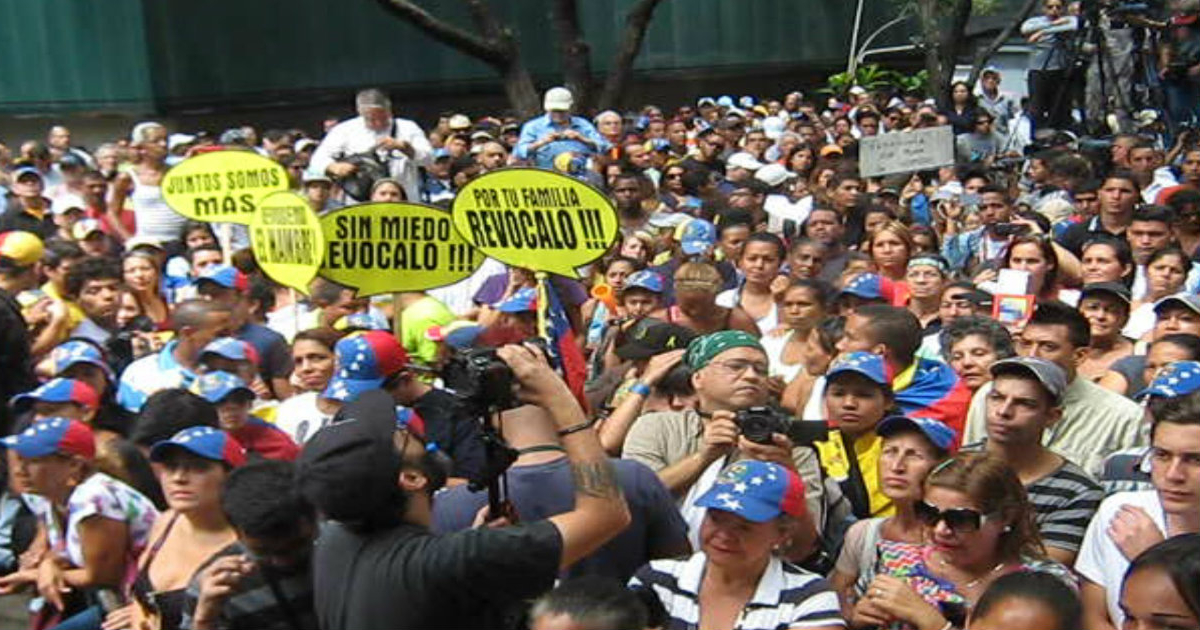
[976,581]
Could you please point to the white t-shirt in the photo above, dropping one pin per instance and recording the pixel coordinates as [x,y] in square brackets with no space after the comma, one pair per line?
[300,418]
[1100,561]
[731,298]
[774,346]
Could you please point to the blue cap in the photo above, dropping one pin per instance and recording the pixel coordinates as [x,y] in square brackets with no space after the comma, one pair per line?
[645,279]
[659,144]
[26,170]
[68,353]
[937,433]
[869,286]
[698,237]
[228,347]
[866,364]
[364,361]
[755,490]
[217,386]
[463,337]
[725,101]
[205,442]
[747,102]
[1174,379]
[523,300]
[226,276]
[440,153]
[53,435]
[360,321]
[61,390]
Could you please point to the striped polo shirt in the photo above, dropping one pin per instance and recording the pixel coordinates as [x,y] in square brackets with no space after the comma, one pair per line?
[787,596]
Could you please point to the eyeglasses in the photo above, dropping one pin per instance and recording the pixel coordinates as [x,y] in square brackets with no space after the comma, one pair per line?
[961,520]
[739,366]
[673,176]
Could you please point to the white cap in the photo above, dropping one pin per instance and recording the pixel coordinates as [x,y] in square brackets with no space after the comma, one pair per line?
[66,202]
[558,99]
[743,160]
[774,127]
[304,143]
[176,140]
[459,122]
[773,175]
[858,90]
[668,219]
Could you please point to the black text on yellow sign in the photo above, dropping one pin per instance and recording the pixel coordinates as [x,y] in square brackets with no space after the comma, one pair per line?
[222,185]
[536,219]
[387,247]
[287,239]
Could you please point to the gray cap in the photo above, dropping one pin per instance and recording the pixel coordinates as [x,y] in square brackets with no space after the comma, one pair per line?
[1115,289]
[1186,300]
[1048,374]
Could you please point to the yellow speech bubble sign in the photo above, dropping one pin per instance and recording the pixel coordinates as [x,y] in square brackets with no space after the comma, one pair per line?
[387,247]
[222,185]
[287,239]
[536,219]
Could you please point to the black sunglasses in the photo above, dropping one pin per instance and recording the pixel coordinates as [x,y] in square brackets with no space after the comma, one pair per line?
[961,520]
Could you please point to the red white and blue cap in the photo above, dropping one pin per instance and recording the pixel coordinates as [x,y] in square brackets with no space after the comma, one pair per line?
[523,300]
[61,390]
[937,433]
[698,237]
[48,436]
[226,276]
[1174,379]
[205,442]
[869,286]
[364,361]
[230,348]
[217,386]
[68,353]
[865,364]
[408,419]
[645,279]
[757,491]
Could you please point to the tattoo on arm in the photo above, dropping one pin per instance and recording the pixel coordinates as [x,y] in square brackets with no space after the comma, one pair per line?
[596,479]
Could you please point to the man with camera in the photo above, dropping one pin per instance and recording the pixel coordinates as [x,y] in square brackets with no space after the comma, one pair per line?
[396,144]
[378,566]
[544,137]
[985,243]
[688,448]
[1179,63]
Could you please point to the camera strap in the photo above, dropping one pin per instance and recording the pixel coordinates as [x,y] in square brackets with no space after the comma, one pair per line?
[854,486]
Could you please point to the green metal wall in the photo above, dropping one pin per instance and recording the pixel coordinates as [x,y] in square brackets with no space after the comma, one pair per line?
[176,55]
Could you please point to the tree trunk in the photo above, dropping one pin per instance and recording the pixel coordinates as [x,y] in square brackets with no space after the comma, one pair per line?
[519,88]
[637,20]
[574,53]
[927,15]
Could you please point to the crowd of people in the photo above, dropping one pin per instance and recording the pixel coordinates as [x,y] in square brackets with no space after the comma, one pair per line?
[789,396]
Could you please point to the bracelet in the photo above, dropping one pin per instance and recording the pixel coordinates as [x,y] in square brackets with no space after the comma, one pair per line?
[640,388]
[575,429]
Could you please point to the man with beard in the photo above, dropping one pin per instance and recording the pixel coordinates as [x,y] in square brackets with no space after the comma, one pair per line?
[94,284]
[264,580]
[628,191]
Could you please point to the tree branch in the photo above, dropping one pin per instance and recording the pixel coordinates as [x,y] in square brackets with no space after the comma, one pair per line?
[985,53]
[574,52]
[637,20]
[485,49]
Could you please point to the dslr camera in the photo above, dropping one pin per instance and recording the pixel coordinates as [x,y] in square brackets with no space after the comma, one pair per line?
[758,423]
[483,380]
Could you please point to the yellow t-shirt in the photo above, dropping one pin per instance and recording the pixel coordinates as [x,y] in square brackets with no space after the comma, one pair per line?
[835,461]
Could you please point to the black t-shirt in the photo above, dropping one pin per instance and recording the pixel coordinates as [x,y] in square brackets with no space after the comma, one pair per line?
[406,577]
[457,434]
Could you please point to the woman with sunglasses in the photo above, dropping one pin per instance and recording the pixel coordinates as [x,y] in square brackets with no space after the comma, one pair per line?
[192,467]
[1162,586]
[979,525]
[911,448]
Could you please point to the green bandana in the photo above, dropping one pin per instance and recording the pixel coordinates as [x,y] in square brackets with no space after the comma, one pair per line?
[702,349]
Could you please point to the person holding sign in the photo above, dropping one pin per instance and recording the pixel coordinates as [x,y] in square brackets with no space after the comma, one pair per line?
[399,144]
[544,137]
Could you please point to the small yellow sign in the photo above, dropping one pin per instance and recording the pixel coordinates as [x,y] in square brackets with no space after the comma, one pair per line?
[287,239]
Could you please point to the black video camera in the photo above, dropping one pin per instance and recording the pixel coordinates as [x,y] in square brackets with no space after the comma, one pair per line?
[481,379]
[758,423]
[1010,229]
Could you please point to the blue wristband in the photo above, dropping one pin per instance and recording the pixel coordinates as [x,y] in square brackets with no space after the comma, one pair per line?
[640,388]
